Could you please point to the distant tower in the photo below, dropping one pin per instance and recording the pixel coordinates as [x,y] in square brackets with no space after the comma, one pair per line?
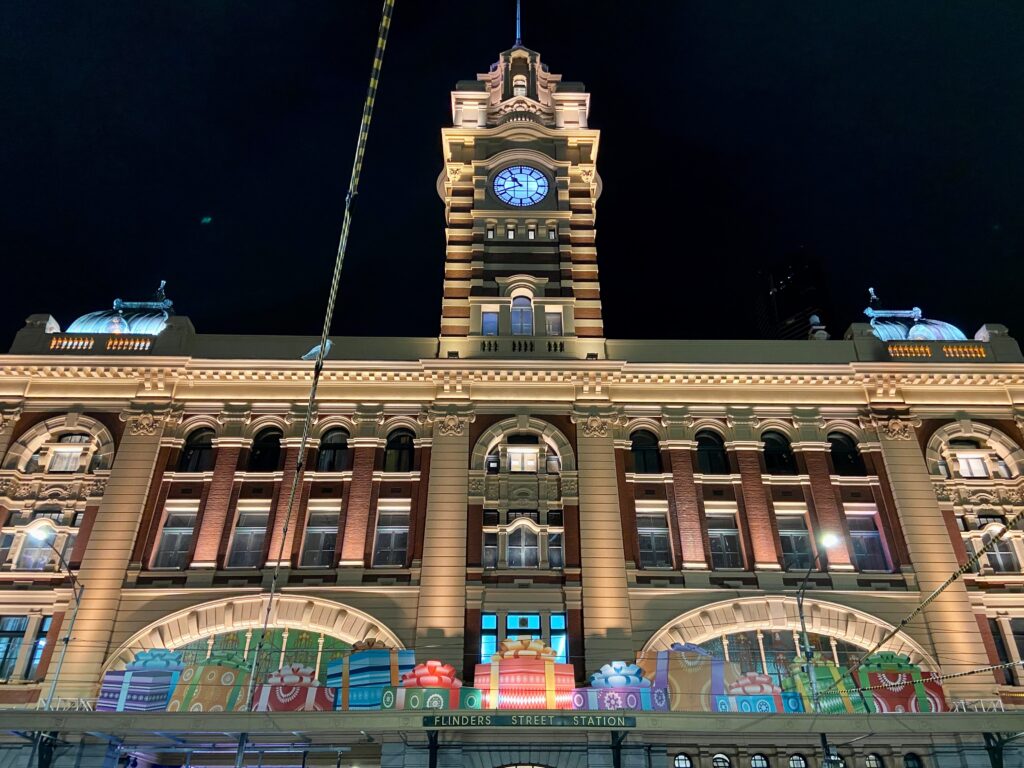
[789,291]
[520,188]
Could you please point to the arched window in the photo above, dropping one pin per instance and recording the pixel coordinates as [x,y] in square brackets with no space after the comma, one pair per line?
[197,455]
[523,548]
[68,459]
[711,458]
[399,452]
[846,458]
[266,451]
[721,761]
[758,761]
[874,761]
[682,761]
[646,458]
[334,453]
[912,760]
[797,761]
[37,549]
[522,316]
[778,454]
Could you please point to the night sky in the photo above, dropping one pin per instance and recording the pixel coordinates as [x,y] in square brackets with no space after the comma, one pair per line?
[885,138]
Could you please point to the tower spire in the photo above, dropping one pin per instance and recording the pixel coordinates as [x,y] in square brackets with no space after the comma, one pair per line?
[519,35]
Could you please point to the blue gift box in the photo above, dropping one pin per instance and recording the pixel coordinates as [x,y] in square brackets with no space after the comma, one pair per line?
[144,685]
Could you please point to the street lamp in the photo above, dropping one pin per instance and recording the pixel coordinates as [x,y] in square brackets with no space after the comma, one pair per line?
[827,541]
[43,535]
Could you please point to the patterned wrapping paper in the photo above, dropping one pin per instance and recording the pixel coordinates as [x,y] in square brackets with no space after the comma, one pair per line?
[144,685]
[523,674]
[837,693]
[692,676]
[645,698]
[757,692]
[219,683]
[293,688]
[404,697]
[906,687]
[361,677]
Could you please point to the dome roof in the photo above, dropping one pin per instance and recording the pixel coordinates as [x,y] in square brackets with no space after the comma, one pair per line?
[144,318]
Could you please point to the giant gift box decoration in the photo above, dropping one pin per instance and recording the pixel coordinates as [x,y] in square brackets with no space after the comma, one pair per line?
[757,692]
[218,683]
[293,688]
[144,685]
[837,693]
[619,685]
[431,685]
[692,676]
[898,685]
[361,677]
[523,674]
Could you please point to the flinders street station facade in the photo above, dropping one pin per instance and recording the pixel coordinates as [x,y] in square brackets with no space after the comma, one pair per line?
[518,543]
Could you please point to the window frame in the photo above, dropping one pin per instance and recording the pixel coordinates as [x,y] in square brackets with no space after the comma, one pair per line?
[248,534]
[179,532]
[391,512]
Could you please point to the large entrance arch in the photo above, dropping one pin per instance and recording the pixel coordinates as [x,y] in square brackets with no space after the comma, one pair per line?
[219,617]
[779,612]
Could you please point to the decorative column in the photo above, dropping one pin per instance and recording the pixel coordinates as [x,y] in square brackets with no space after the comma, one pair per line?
[217,510]
[103,567]
[440,621]
[9,415]
[756,504]
[949,620]
[364,443]
[689,520]
[606,614]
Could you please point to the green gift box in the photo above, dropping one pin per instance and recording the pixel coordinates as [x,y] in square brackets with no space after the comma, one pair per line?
[397,697]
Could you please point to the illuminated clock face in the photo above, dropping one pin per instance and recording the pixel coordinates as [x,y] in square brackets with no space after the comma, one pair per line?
[521,185]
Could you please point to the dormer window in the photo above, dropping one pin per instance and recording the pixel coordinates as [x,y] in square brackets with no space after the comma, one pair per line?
[522,459]
[522,316]
[510,231]
[66,456]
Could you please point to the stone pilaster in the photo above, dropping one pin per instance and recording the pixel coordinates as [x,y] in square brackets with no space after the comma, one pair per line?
[949,620]
[217,507]
[104,566]
[606,614]
[440,621]
[9,415]
[756,503]
[680,447]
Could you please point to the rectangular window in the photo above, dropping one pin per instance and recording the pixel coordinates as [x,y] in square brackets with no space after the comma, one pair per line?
[1017,638]
[972,466]
[250,535]
[38,647]
[724,538]
[1001,652]
[559,637]
[488,636]
[529,514]
[489,323]
[523,625]
[796,542]
[490,233]
[522,459]
[531,234]
[490,550]
[392,544]
[175,539]
[6,542]
[321,539]
[35,555]
[551,233]
[1001,557]
[555,559]
[652,533]
[12,634]
[65,460]
[523,550]
[553,323]
[510,232]
[868,553]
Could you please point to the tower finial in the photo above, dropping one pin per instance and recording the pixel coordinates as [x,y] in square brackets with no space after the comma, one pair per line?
[519,36]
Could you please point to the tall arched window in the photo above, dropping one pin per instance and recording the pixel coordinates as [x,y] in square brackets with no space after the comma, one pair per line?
[399,451]
[711,458]
[334,453]
[522,316]
[266,451]
[197,455]
[721,761]
[912,760]
[778,454]
[646,458]
[846,458]
[68,459]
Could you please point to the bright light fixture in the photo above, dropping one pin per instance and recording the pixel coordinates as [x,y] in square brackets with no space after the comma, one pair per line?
[829,540]
[40,534]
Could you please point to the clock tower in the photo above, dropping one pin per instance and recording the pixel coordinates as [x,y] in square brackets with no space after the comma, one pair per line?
[520,189]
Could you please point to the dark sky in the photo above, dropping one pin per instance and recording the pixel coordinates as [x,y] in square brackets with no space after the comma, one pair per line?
[886,138]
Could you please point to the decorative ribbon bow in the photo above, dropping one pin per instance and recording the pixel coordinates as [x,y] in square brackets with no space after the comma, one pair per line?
[225,659]
[619,674]
[158,658]
[523,648]
[431,674]
[291,674]
[688,648]
[370,645]
[752,684]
